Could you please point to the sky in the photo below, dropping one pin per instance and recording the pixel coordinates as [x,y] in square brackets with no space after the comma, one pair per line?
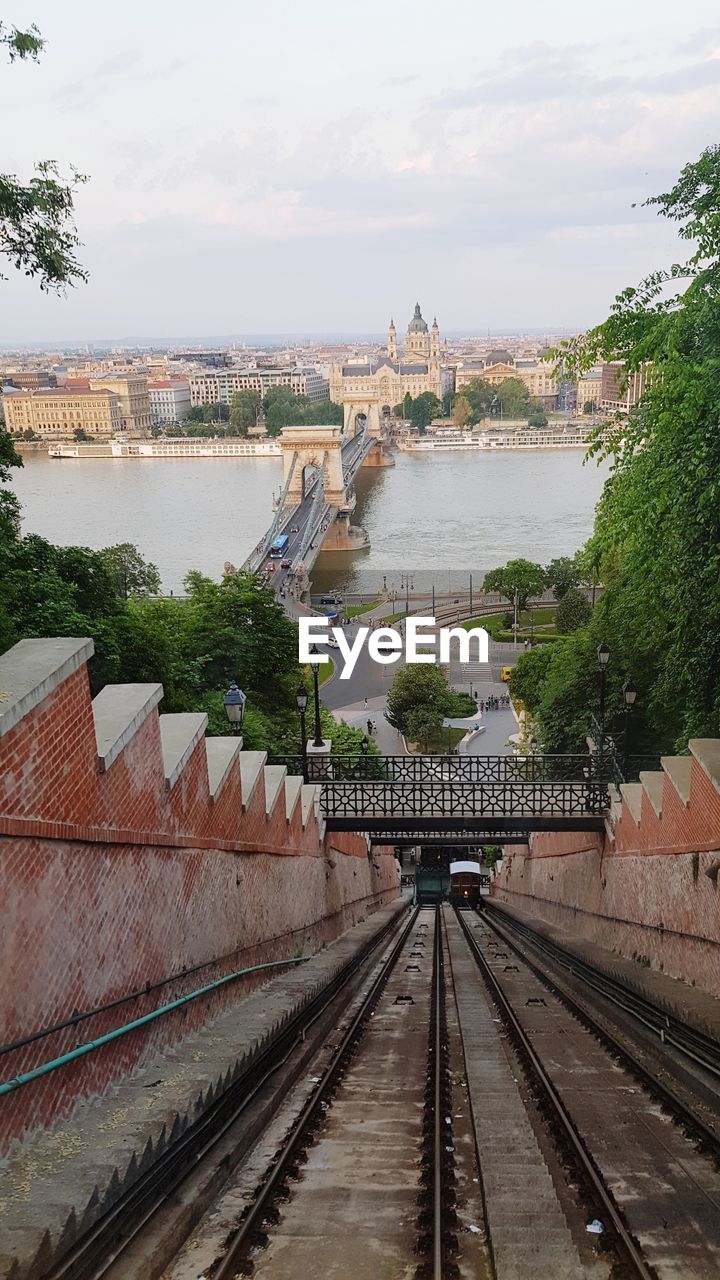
[316,167]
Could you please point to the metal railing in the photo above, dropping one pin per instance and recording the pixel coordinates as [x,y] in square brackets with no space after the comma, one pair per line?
[432,769]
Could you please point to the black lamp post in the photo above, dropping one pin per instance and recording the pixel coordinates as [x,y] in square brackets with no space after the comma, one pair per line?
[318,740]
[629,693]
[301,700]
[234,704]
[603,657]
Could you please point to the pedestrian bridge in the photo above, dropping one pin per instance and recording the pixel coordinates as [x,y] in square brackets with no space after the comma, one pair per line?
[459,797]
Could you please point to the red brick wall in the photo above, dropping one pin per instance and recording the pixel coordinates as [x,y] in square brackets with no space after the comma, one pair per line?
[97,922]
[112,881]
[647,889]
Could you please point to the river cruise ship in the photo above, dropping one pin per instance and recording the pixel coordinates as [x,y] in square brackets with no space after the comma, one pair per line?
[169,447]
[548,439]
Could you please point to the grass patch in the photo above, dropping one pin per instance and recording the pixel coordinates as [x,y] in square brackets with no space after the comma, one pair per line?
[325,671]
[392,617]
[438,743]
[355,609]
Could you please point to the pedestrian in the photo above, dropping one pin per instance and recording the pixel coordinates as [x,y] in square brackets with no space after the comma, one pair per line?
[370,728]
[365,703]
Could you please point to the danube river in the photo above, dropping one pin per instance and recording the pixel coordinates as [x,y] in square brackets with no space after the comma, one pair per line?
[430,515]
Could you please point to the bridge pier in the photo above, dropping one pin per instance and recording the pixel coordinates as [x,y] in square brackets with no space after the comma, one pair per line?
[378,456]
[344,536]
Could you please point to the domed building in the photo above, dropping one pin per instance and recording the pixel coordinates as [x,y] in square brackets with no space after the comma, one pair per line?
[386,381]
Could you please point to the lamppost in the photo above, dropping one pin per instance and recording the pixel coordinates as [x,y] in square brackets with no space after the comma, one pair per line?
[301,700]
[603,657]
[318,740]
[629,693]
[234,704]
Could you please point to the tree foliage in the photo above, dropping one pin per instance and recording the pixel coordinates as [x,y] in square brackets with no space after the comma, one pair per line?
[37,230]
[418,687]
[656,543]
[517,576]
[244,411]
[562,574]
[573,611]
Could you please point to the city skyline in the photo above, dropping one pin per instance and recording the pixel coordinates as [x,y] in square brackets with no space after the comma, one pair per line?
[313,167]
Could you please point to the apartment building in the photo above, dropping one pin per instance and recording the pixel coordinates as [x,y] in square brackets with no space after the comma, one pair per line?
[221,385]
[169,400]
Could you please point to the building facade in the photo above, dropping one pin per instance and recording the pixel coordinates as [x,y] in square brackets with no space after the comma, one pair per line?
[132,392]
[620,390]
[221,385]
[169,400]
[56,414]
[538,375]
[589,390]
[388,380]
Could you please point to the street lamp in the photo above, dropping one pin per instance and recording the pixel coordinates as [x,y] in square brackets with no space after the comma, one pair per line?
[603,657]
[301,701]
[234,704]
[629,693]
[318,741]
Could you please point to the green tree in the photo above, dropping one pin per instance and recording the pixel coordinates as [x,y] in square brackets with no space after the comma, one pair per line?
[37,231]
[537,419]
[479,395]
[561,574]
[518,576]
[657,528]
[573,611]
[513,397]
[134,576]
[418,687]
[423,409]
[407,405]
[9,504]
[589,407]
[423,724]
[244,411]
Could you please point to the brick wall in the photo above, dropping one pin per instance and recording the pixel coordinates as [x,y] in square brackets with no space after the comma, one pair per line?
[120,876]
[648,888]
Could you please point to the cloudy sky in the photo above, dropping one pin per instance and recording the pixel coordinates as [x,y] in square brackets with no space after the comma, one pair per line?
[312,167]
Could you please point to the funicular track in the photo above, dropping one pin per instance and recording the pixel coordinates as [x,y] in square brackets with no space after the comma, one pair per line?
[101,1250]
[634,1163]
[359,1180]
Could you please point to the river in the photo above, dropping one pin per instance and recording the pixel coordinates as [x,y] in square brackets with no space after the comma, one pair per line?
[435,516]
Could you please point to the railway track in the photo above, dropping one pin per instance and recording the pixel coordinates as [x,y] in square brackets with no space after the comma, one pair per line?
[636,1171]
[667,1029]
[109,1246]
[465,1122]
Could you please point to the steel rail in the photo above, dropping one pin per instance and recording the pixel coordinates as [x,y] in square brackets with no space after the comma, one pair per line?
[92,1255]
[437,1262]
[709,1136]
[633,1254]
[695,1044]
[240,1239]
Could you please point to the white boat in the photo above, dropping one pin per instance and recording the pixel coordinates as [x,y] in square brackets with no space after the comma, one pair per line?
[505,440]
[169,447]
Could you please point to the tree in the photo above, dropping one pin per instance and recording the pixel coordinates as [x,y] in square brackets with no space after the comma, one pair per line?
[589,407]
[423,724]
[538,419]
[244,411]
[561,574]
[518,576]
[461,411]
[514,398]
[37,231]
[407,405]
[479,395]
[133,575]
[418,687]
[423,409]
[657,525]
[573,611]
[9,505]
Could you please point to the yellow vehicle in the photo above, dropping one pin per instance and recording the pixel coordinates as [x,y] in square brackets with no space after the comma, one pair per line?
[506,673]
